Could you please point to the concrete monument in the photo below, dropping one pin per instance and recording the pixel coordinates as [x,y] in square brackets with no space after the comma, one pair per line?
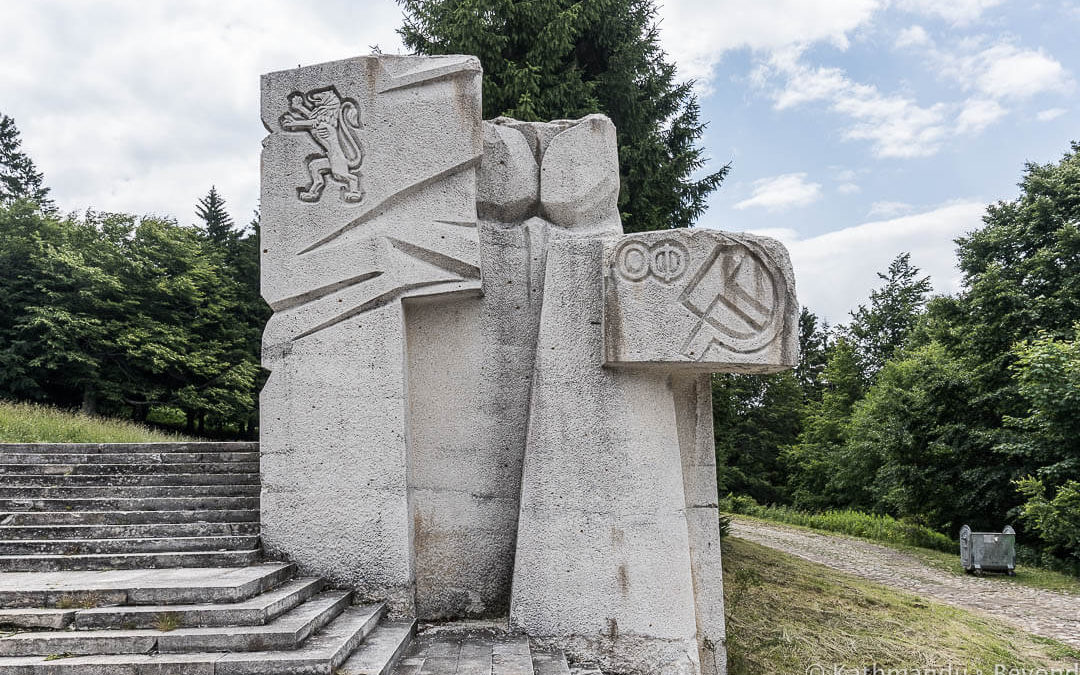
[485,400]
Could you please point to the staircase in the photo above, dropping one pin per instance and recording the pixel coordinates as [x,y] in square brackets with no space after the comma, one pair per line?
[132,559]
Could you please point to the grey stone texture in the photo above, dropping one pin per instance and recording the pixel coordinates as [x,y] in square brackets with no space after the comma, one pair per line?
[700,300]
[485,399]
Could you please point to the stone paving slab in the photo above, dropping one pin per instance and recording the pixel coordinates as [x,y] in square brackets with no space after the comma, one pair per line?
[477,648]
[1037,611]
[142,586]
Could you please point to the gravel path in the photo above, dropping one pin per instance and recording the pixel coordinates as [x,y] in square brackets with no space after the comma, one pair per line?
[1046,613]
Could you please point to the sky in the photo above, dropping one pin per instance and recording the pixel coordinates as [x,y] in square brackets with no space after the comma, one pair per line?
[856,129]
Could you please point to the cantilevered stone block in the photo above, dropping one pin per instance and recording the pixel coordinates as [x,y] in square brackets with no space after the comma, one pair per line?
[700,300]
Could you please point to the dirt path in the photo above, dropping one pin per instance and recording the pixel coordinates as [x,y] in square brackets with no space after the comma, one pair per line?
[1046,613]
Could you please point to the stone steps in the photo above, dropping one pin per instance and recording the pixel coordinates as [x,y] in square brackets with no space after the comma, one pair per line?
[133,531]
[51,469]
[279,627]
[164,516]
[137,459]
[131,504]
[286,632]
[73,547]
[34,492]
[255,611]
[127,561]
[141,587]
[145,559]
[127,448]
[92,479]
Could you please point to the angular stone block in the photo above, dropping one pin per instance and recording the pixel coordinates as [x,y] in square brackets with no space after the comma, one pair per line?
[508,183]
[579,176]
[700,300]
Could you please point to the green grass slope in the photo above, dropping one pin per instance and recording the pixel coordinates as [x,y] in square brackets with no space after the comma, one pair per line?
[31,423]
[786,615]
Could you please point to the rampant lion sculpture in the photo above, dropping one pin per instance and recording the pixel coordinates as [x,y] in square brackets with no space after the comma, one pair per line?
[333,123]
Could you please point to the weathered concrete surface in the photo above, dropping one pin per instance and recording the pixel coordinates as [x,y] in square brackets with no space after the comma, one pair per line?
[700,300]
[394,143]
[697,445]
[603,565]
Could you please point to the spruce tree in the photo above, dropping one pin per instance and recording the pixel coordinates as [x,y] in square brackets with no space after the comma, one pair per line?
[19,178]
[563,59]
[217,223]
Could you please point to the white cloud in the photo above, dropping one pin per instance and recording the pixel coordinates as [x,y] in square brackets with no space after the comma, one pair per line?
[140,106]
[782,192]
[698,32]
[913,36]
[977,114]
[887,209]
[848,188]
[835,272]
[1003,70]
[953,11]
[1050,114]
[895,125]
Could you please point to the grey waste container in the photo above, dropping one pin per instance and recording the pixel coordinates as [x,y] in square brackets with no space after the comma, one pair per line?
[988,551]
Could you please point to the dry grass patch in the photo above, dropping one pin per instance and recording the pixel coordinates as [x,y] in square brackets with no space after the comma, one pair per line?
[786,614]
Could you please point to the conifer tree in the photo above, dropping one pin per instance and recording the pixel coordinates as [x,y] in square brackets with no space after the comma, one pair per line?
[563,59]
[19,178]
[218,224]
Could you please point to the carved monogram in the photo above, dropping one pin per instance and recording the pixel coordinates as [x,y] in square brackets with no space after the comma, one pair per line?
[748,311]
[333,124]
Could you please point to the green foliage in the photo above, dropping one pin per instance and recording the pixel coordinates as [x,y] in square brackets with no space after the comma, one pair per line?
[853,523]
[1056,519]
[1021,275]
[568,58]
[756,416]
[122,314]
[912,432]
[35,423]
[818,472]
[19,178]
[1047,375]
[881,330]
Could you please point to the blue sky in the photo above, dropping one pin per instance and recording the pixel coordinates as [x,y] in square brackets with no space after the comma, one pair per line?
[857,128]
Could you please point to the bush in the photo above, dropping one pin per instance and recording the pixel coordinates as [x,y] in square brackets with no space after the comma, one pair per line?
[852,523]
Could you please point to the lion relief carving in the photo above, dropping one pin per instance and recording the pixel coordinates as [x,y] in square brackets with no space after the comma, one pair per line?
[333,123]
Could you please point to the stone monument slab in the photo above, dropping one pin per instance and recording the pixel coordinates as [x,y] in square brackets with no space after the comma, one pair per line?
[700,300]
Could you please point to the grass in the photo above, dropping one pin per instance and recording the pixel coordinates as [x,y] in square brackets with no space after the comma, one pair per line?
[785,614]
[33,423]
[167,621]
[1026,575]
[852,523]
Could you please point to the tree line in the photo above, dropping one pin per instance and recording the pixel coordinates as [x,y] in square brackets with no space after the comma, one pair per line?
[134,317]
[942,410]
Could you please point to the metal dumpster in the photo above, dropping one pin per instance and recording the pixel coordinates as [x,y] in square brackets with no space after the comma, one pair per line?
[988,551]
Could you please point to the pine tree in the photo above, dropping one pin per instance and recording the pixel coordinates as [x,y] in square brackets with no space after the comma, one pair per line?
[563,59]
[218,224]
[19,178]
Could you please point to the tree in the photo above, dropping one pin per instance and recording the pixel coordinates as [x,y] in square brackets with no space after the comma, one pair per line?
[818,474]
[882,329]
[756,416]
[1047,439]
[19,178]
[568,58]
[914,443]
[1021,274]
[217,223]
